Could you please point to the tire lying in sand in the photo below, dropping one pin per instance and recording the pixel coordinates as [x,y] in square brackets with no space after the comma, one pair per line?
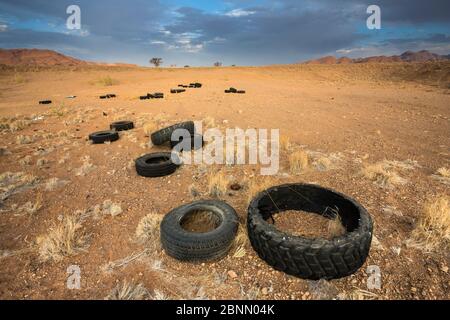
[155,165]
[185,245]
[240,91]
[45,102]
[312,259]
[165,135]
[122,125]
[196,142]
[104,136]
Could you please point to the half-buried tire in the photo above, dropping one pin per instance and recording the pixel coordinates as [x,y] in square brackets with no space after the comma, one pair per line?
[104,136]
[122,125]
[165,135]
[155,165]
[310,258]
[185,245]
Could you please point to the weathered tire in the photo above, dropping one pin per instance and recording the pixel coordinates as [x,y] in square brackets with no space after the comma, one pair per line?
[122,125]
[45,102]
[103,97]
[110,95]
[103,136]
[190,246]
[144,97]
[155,165]
[241,91]
[310,258]
[162,136]
[197,142]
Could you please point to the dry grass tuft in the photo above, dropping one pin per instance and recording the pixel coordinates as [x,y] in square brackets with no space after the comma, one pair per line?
[147,230]
[128,291]
[20,139]
[433,228]
[240,242]
[383,175]
[149,128]
[64,239]
[31,208]
[285,143]
[258,185]
[11,183]
[86,168]
[209,122]
[442,175]
[217,184]
[26,161]
[107,81]
[54,183]
[444,172]
[335,227]
[298,162]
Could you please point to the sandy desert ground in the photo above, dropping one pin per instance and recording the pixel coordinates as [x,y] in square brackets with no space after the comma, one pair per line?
[379,133]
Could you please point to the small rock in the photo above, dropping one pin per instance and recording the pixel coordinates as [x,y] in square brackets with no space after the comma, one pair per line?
[232,274]
[265,291]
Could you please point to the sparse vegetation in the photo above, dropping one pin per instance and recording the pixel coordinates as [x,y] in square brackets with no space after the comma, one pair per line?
[147,230]
[11,183]
[258,185]
[86,168]
[128,291]
[54,183]
[433,227]
[285,144]
[217,184]
[298,162]
[383,175]
[107,81]
[64,239]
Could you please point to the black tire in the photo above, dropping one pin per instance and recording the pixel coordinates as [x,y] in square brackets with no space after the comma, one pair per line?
[110,95]
[194,146]
[122,125]
[45,102]
[227,91]
[144,97]
[165,135]
[190,246]
[155,165]
[240,91]
[103,97]
[312,259]
[233,90]
[104,136]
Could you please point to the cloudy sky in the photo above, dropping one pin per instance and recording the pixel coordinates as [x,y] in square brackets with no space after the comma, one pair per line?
[241,32]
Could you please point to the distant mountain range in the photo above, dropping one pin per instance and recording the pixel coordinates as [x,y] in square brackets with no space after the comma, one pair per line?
[38,57]
[408,56]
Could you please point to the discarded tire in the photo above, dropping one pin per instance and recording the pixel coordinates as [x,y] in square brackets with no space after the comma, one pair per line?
[240,91]
[145,97]
[191,246]
[111,95]
[103,136]
[155,165]
[122,125]
[45,102]
[162,136]
[103,97]
[196,142]
[310,258]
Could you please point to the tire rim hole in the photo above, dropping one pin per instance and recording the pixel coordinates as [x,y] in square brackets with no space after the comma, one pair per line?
[156,160]
[200,221]
[308,225]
